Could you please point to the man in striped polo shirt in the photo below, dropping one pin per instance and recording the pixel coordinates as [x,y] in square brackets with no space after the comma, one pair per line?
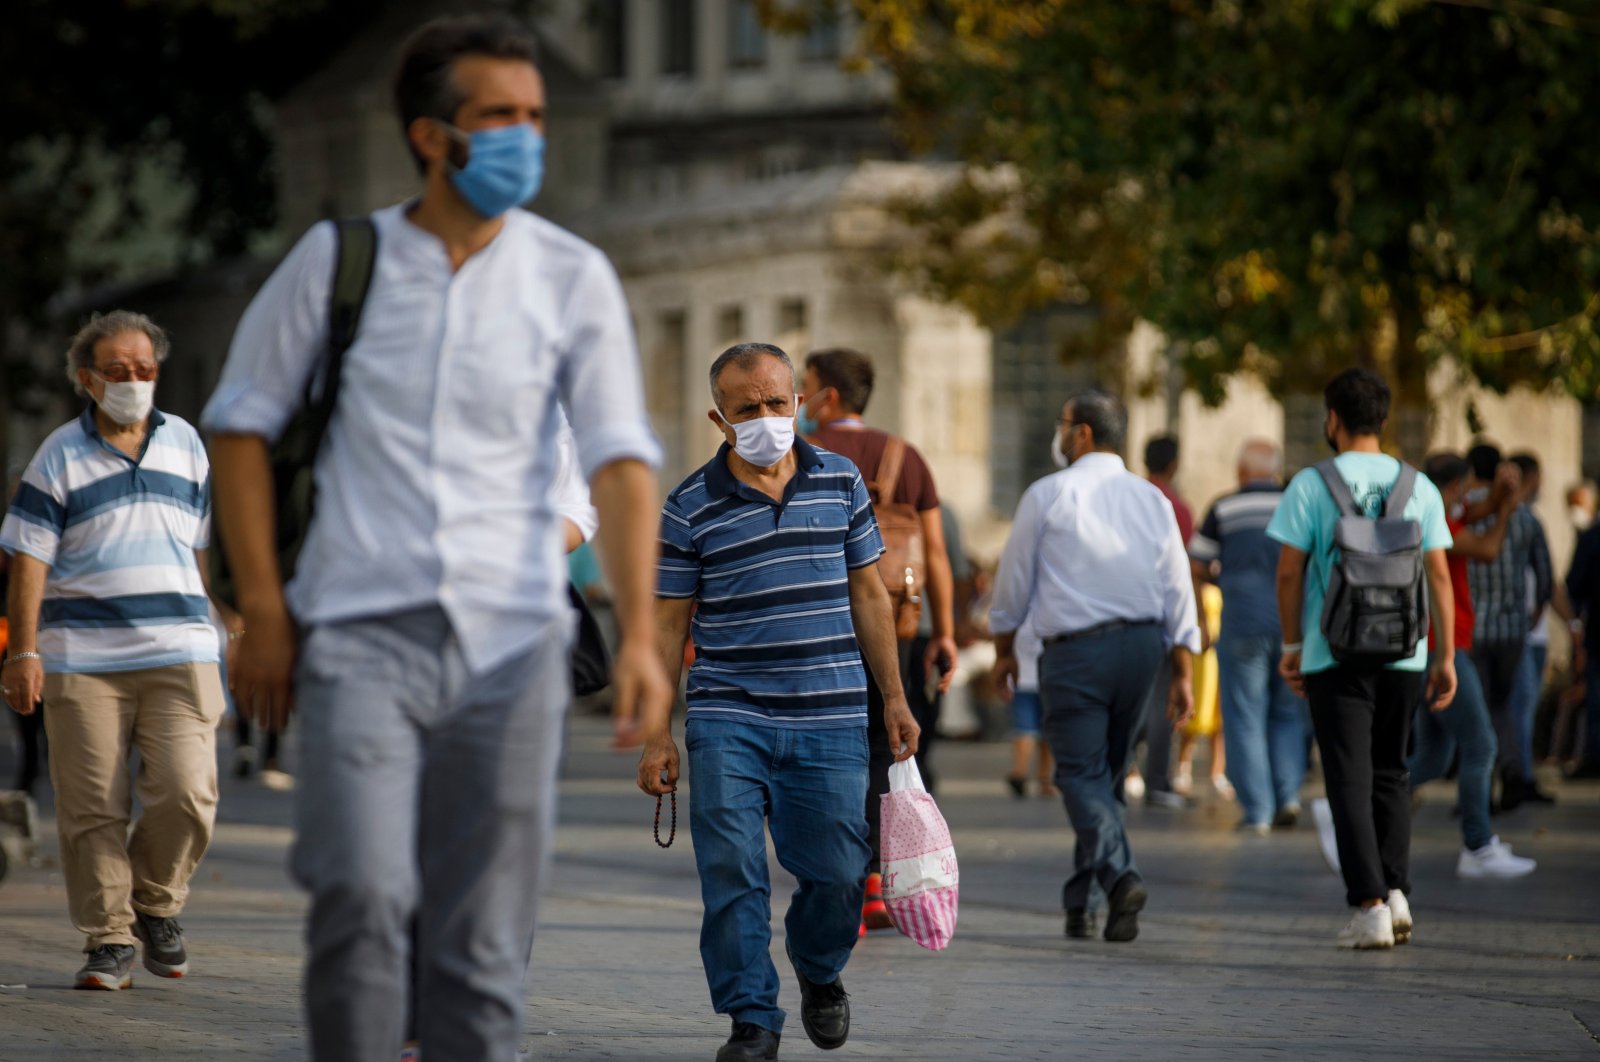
[775,542]
[109,624]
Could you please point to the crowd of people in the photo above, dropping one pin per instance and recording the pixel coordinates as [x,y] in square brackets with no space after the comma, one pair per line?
[489,418]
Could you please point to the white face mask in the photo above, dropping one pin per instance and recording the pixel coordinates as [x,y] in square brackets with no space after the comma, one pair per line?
[1581,518]
[1056,455]
[764,440]
[128,403]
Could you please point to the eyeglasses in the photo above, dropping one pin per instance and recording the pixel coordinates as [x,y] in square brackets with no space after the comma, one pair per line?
[119,373]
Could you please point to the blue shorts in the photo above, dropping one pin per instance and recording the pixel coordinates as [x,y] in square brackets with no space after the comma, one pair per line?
[1026,712]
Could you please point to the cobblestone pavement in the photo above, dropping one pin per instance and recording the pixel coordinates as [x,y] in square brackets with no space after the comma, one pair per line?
[1235,958]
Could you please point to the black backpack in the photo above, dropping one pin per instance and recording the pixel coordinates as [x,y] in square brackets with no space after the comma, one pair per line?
[1376,608]
[294,455]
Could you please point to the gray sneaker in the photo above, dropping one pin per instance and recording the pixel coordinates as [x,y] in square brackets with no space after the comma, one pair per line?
[164,954]
[110,967]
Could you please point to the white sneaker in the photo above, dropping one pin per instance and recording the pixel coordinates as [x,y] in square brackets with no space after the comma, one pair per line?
[1493,860]
[1322,815]
[1133,787]
[1369,928]
[1400,916]
[1223,788]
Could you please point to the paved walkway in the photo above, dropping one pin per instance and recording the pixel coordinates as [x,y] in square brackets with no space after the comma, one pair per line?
[1235,958]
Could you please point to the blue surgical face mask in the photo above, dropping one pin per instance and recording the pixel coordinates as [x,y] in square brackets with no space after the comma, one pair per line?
[805,423]
[505,166]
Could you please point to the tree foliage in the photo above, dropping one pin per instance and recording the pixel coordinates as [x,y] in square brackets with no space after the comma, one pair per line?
[1284,187]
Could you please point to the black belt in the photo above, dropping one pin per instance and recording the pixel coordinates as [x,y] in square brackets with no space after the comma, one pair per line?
[1099,628]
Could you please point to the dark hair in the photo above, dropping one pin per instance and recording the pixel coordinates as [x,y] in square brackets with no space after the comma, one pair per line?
[1104,414]
[847,371]
[1361,399]
[423,85]
[1445,469]
[1527,462]
[744,355]
[1483,459]
[1161,454]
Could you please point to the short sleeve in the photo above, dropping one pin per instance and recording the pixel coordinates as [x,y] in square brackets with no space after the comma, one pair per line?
[863,545]
[1206,545]
[917,482]
[1435,528]
[678,570]
[1294,522]
[38,514]
[278,342]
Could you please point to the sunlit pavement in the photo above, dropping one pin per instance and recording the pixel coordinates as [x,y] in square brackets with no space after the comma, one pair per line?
[1235,957]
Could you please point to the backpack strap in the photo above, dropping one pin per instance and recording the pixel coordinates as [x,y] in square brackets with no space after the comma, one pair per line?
[1338,488]
[894,455]
[352,278]
[1394,507]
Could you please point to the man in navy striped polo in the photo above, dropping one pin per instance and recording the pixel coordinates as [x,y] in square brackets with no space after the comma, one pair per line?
[109,623]
[1263,721]
[770,551]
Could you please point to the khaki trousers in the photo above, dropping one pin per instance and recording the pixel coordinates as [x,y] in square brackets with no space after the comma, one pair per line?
[94,722]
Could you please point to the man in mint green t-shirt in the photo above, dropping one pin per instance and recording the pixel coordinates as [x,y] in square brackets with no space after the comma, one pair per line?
[1362,715]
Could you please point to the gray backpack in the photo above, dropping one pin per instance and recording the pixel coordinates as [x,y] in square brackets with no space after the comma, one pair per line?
[1376,609]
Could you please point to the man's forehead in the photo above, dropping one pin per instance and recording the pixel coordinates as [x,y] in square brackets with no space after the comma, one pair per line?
[485,81]
[764,376]
[125,345]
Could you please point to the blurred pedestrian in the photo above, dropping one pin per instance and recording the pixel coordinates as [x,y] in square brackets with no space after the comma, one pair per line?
[1095,564]
[1463,725]
[1263,720]
[1027,711]
[1583,587]
[1362,711]
[775,541]
[425,797]
[1161,465]
[836,386]
[1529,681]
[109,623]
[1500,631]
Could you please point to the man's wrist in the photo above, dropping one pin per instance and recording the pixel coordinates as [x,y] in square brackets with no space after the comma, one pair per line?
[22,654]
[1293,647]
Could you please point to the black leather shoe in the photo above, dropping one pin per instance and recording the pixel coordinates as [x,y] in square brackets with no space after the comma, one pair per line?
[748,1041]
[1127,900]
[1080,923]
[824,1011]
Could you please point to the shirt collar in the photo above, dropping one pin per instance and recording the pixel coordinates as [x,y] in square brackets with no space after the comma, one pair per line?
[1099,460]
[720,481]
[91,429]
[1260,486]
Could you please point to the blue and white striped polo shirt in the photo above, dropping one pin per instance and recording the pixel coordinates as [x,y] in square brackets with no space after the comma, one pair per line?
[124,591]
[774,641]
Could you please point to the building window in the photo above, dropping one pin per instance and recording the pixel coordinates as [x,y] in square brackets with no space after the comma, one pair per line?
[677,36]
[730,323]
[822,42]
[792,315]
[747,37]
[609,18]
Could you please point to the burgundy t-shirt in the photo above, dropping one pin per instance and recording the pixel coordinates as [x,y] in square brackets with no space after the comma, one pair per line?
[1180,509]
[865,447]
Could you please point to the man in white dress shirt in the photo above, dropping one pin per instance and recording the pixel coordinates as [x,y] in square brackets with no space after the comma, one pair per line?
[1096,565]
[431,670]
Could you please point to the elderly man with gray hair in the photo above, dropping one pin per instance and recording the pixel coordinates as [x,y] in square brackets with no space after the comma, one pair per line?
[108,617]
[1263,722]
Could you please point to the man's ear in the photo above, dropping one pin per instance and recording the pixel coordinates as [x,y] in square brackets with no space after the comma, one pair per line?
[429,140]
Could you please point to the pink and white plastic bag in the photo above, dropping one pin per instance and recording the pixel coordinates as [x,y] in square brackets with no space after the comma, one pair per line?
[920,878]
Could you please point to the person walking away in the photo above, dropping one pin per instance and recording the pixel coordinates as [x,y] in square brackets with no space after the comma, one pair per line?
[837,386]
[1362,710]
[425,795]
[1500,632]
[1529,680]
[109,622]
[1263,721]
[769,554]
[1464,724]
[1583,588]
[1161,465]
[1095,563]
[1026,713]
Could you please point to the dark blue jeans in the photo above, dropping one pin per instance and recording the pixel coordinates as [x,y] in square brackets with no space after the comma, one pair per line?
[1093,690]
[808,787]
[1263,727]
[1525,702]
